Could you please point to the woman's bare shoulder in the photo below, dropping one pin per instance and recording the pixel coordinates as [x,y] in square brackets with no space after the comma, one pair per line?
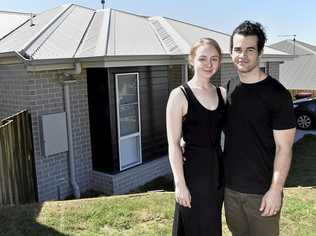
[177,93]
[177,101]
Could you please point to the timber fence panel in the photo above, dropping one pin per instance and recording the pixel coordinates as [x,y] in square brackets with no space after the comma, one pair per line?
[7,168]
[17,169]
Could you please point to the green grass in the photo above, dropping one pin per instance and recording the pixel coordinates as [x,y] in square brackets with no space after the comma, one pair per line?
[134,214]
[303,169]
[151,214]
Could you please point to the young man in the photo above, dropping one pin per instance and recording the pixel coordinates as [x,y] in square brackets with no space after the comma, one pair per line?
[259,137]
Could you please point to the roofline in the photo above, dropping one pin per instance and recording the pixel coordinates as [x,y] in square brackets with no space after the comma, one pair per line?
[109,61]
[103,58]
[301,43]
[73,4]
[273,57]
[123,57]
[11,54]
[201,27]
[12,57]
[16,12]
[297,43]
[123,11]
[306,48]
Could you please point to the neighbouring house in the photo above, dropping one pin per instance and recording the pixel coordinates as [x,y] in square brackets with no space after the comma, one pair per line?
[96,83]
[298,75]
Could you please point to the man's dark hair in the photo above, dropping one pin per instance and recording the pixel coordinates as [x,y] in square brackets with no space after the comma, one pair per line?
[248,28]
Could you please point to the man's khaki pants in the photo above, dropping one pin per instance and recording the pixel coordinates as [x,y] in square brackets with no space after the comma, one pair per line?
[244,218]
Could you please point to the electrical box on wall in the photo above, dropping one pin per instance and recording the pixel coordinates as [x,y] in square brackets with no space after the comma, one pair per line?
[54,130]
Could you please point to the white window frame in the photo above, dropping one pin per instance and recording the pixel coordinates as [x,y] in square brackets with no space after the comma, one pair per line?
[119,138]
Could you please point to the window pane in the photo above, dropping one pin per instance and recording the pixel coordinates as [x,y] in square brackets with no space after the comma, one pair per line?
[127,88]
[129,152]
[128,119]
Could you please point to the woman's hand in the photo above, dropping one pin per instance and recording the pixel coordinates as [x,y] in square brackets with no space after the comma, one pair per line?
[183,196]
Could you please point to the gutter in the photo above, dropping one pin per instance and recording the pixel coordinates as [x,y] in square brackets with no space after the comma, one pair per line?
[69,64]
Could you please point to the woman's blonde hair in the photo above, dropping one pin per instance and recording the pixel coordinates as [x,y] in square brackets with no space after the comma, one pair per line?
[201,42]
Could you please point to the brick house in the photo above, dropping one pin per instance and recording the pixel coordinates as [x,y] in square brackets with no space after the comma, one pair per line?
[96,83]
[298,75]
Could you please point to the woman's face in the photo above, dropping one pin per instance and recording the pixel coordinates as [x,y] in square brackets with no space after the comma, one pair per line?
[206,61]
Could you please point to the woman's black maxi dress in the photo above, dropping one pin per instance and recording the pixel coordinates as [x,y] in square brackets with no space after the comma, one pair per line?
[201,130]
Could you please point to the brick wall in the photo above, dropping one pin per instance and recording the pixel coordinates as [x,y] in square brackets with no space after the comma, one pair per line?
[130,179]
[42,93]
[13,89]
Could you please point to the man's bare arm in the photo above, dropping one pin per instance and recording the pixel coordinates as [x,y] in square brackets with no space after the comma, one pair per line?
[271,202]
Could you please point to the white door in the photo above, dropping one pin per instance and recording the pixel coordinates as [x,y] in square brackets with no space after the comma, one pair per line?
[129,136]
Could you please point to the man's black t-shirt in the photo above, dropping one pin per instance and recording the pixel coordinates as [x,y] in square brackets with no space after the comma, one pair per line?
[253,112]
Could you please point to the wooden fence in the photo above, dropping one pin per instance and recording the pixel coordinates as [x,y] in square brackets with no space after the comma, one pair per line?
[17,170]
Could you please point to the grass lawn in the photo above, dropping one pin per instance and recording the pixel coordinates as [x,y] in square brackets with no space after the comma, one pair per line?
[152,213]
[303,169]
[135,214]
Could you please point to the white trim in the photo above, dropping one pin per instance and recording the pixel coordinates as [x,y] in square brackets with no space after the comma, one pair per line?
[133,63]
[119,138]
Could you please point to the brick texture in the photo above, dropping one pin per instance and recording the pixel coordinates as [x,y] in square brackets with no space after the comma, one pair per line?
[130,179]
[42,93]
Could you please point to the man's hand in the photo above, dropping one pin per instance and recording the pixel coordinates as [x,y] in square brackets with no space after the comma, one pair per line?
[183,196]
[271,202]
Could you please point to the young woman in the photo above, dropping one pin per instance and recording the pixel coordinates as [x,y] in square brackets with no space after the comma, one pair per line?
[195,111]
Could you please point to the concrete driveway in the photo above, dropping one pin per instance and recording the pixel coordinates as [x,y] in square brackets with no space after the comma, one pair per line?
[300,133]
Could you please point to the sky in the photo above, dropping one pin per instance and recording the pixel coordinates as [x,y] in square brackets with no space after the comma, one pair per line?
[279,17]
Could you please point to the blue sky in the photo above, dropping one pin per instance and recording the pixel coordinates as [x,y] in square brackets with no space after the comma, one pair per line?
[279,17]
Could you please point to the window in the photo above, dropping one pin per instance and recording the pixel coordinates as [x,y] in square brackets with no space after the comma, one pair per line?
[128,116]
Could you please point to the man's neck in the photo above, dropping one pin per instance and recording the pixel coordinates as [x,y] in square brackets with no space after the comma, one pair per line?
[253,76]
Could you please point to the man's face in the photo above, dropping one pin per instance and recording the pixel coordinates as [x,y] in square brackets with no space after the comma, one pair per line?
[244,53]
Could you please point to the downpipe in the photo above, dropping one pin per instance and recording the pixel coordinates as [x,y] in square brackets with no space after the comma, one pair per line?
[67,80]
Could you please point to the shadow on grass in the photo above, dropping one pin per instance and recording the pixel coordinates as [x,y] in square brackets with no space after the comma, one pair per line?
[164,183]
[21,221]
[303,168]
